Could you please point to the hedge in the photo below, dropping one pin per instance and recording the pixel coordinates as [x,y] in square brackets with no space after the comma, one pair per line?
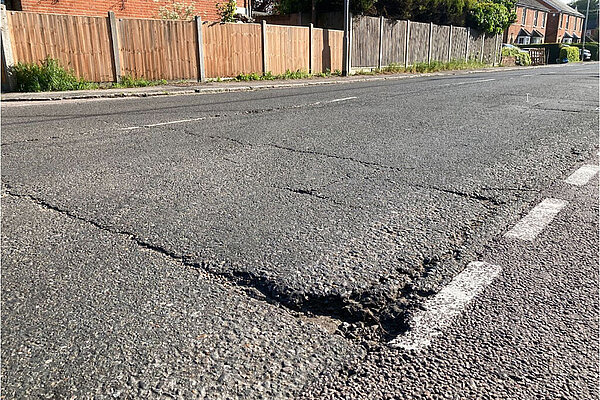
[569,53]
[591,46]
[553,49]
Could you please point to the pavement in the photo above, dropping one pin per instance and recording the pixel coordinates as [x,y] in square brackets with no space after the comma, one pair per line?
[192,87]
[270,244]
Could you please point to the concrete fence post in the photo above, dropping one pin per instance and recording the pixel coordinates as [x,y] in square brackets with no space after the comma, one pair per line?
[430,42]
[350,39]
[482,47]
[450,44]
[114,41]
[347,45]
[467,45]
[406,44]
[380,59]
[311,50]
[200,52]
[496,50]
[264,46]
[7,53]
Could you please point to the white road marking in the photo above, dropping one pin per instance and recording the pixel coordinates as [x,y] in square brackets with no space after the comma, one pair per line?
[526,75]
[343,99]
[444,306]
[467,82]
[533,223]
[163,123]
[582,175]
[130,128]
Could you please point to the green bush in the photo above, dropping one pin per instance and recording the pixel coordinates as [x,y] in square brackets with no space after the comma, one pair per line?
[591,46]
[49,75]
[520,57]
[569,53]
[552,50]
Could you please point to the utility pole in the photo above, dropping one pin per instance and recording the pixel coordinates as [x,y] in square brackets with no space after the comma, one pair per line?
[587,12]
[347,22]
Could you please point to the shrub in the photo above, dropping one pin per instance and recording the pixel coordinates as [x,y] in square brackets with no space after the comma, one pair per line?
[521,58]
[591,46]
[49,75]
[569,54]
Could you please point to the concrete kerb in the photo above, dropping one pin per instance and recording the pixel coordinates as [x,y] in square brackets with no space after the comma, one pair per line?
[226,87]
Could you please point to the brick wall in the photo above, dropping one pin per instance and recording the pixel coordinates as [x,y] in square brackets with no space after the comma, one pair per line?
[559,26]
[122,8]
[510,34]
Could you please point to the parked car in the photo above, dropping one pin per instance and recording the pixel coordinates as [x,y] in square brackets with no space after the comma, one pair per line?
[585,55]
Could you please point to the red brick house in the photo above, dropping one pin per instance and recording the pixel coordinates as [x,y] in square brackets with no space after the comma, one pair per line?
[530,26]
[565,24]
[122,8]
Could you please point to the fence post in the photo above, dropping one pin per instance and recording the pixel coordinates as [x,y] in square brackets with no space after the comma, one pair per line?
[200,43]
[380,59]
[347,42]
[482,47]
[430,42]
[467,45]
[450,44]
[114,40]
[264,45]
[311,49]
[406,43]
[496,50]
[7,52]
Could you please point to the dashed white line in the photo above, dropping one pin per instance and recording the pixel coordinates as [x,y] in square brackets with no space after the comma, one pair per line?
[533,223]
[467,82]
[130,128]
[583,175]
[163,123]
[449,302]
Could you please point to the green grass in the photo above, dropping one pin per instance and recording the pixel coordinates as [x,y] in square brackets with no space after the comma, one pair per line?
[128,81]
[434,66]
[298,74]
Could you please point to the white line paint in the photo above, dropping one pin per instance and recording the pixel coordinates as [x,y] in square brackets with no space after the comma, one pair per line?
[583,175]
[163,123]
[468,82]
[343,99]
[130,128]
[443,307]
[533,223]
[526,75]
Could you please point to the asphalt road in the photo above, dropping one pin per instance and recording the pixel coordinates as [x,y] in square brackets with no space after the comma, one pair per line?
[270,244]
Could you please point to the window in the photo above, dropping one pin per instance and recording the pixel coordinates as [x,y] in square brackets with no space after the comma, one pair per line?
[535,18]
[568,18]
[523,16]
[543,20]
[536,40]
[523,39]
[567,40]
[560,19]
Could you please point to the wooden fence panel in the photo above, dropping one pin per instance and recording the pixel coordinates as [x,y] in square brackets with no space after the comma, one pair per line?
[418,42]
[475,44]
[439,44]
[365,42]
[231,49]
[328,46]
[459,43]
[394,42]
[79,43]
[288,48]
[158,49]
[489,48]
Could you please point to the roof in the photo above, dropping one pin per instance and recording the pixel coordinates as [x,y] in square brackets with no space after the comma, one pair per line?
[536,33]
[575,36]
[534,4]
[523,32]
[561,7]
[567,35]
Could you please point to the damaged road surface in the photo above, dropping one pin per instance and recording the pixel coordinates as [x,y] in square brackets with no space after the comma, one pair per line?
[160,238]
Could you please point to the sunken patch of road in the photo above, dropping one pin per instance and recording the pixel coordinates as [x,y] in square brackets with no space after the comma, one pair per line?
[345,208]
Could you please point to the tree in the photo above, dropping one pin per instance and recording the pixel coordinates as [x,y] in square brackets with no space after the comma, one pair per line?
[177,10]
[493,16]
